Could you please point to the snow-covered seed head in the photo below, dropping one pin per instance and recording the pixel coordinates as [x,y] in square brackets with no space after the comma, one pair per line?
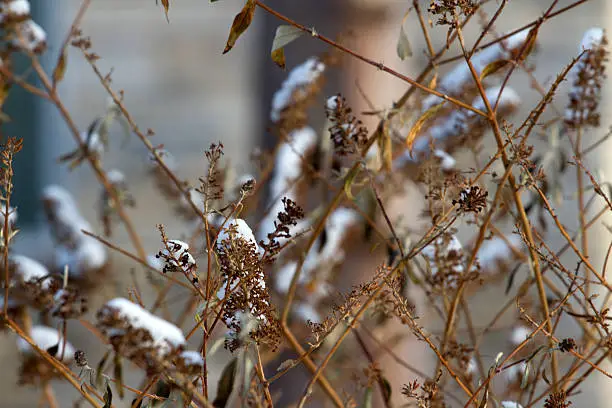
[176,257]
[14,11]
[121,319]
[510,404]
[295,89]
[236,228]
[49,340]
[33,36]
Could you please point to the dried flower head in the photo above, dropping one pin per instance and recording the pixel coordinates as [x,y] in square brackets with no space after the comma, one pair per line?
[448,11]
[472,199]
[34,369]
[348,134]
[176,257]
[247,311]
[138,335]
[557,400]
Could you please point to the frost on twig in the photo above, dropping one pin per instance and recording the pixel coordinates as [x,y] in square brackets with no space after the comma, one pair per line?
[81,253]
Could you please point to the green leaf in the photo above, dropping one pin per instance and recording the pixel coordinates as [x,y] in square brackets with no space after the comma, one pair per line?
[418,125]
[226,384]
[283,36]
[242,21]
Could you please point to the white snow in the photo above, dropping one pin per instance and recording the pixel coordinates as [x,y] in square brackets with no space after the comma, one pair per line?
[82,253]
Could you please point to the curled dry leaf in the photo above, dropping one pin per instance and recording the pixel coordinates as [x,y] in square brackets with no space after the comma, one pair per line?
[242,21]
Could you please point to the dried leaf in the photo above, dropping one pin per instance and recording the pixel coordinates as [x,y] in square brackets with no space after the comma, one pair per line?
[348,181]
[278,56]
[529,46]
[493,67]
[242,21]
[285,364]
[367,398]
[386,389]
[418,125]
[118,373]
[283,36]
[60,68]
[403,45]
[433,83]
[226,384]
[166,4]
[100,368]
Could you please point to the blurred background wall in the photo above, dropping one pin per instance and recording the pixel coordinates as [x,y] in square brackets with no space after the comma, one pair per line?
[177,82]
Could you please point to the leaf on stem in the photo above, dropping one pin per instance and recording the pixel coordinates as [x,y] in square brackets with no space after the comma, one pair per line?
[242,21]
[108,397]
[493,67]
[418,125]
[60,68]
[166,4]
[283,36]
[403,45]
[348,182]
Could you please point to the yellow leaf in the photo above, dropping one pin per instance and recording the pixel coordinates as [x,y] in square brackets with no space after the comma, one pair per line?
[492,68]
[418,125]
[433,83]
[278,56]
[242,21]
[283,36]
